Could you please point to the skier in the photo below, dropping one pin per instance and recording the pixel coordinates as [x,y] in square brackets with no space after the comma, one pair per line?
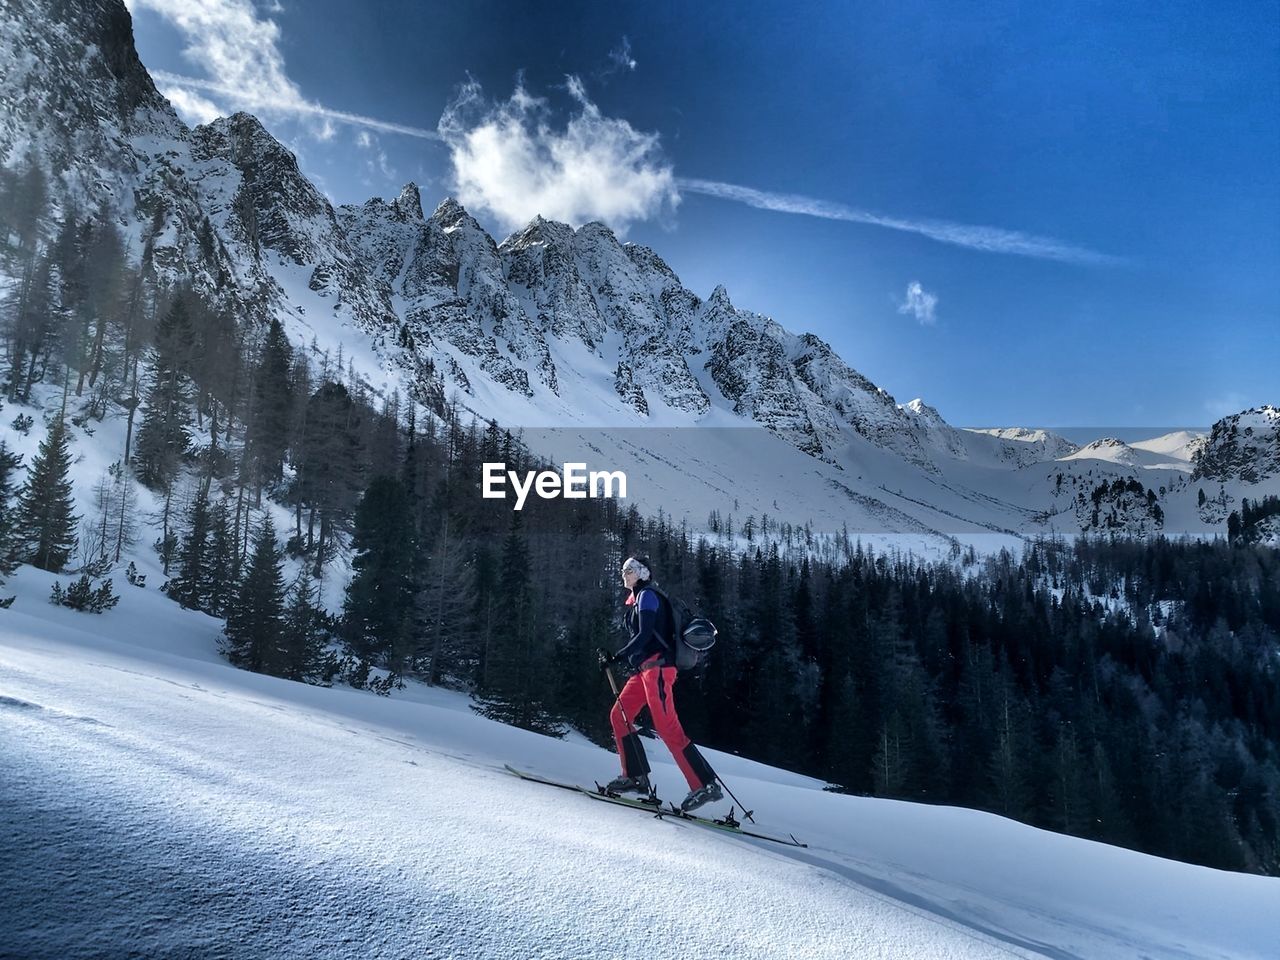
[651,652]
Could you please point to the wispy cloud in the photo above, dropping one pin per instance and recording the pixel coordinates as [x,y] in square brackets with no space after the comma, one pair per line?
[620,57]
[509,159]
[920,304]
[239,52]
[377,165]
[989,239]
[284,105]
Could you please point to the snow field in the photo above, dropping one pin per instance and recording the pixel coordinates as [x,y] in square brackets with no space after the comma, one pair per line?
[157,801]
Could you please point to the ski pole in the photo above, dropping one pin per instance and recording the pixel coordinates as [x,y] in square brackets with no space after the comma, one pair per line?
[617,698]
[745,812]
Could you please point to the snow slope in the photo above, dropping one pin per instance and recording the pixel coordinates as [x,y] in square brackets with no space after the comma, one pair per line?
[155,801]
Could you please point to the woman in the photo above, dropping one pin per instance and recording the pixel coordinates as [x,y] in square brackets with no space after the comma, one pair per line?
[651,652]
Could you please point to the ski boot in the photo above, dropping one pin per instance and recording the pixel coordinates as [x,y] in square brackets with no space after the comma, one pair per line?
[626,784]
[707,793]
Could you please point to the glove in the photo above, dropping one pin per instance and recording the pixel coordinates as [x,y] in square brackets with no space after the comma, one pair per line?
[605,658]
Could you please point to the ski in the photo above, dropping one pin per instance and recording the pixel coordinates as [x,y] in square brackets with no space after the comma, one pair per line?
[525,775]
[729,824]
[653,804]
[726,824]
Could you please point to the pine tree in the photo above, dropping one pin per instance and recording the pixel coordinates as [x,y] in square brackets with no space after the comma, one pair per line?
[221,561]
[516,680]
[47,531]
[272,410]
[190,585]
[301,643]
[256,618]
[329,465]
[380,595]
[1010,791]
[1069,812]
[30,321]
[9,464]
[165,433]
[443,605]
[30,203]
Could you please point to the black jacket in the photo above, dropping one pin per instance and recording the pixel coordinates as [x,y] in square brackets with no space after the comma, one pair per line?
[650,626]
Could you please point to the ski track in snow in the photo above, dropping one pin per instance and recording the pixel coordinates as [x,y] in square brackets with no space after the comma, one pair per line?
[157,802]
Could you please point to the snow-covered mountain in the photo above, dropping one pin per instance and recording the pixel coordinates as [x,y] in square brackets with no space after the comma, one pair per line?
[1244,446]
[1178,445]
[1117,451]
[160,802]
[1040,444]
[555,327]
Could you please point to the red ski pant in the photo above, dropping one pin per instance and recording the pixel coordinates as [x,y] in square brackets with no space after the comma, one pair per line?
[652,686]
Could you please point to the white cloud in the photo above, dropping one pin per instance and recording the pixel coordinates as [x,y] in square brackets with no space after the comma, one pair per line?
[990,239]
[919,304]
[363,140]
[239,51]
[509,160]
[192,107]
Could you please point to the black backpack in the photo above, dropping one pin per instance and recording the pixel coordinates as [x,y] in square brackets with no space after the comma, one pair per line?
[692,636]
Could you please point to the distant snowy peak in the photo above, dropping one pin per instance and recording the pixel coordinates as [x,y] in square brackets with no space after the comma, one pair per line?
[919,408]
[1244,446]
[1178,445]
[1109,449]
[1050,445]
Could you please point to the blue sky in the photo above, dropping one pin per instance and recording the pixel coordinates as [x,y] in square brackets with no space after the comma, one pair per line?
[1037,214]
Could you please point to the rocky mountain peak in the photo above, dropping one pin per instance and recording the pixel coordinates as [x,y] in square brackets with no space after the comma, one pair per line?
[595,231]
[409,203]
[922,410]
[73,94]
[541,231]
[648,261]
[449,214]
[243,140]
[719,299]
